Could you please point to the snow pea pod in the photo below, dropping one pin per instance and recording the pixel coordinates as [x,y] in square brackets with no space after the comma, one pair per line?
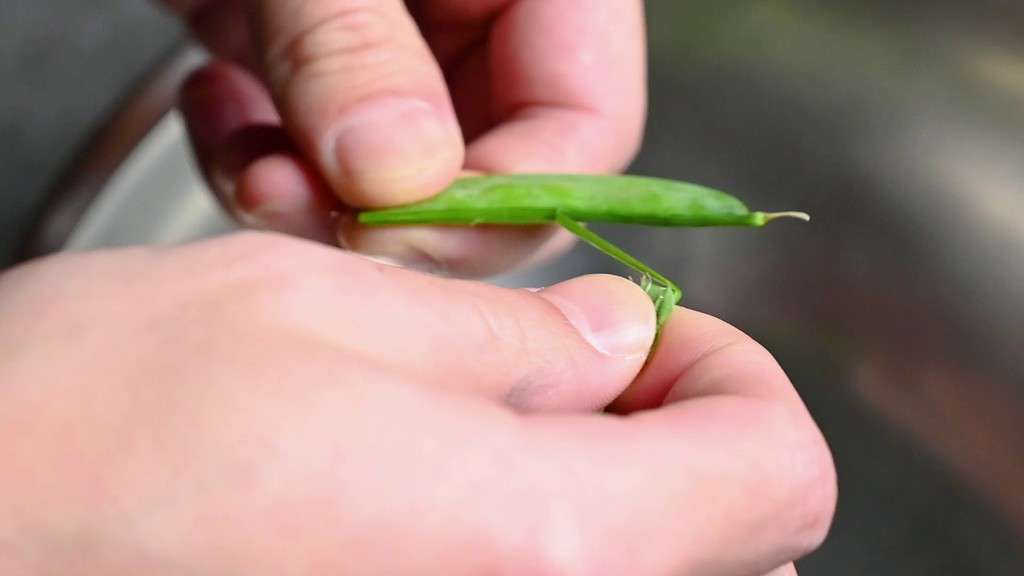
[539,198]
[573,199]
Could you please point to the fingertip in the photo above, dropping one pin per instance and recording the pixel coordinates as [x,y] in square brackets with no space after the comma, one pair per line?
[699,355]
[272,182]
[611,313]
[278,192]
[363,96]
[223,87]
[393,151]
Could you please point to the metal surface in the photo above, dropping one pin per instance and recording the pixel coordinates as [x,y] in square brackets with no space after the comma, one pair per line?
[899,312]
[133,184]
[64,65]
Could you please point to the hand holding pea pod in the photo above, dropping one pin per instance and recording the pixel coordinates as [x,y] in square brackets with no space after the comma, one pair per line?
[294,123]
[571,200]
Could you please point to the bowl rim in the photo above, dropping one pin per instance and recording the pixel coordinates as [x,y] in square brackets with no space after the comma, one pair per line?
[85,177]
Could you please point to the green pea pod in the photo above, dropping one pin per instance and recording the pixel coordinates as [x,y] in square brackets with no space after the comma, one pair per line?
[572,199]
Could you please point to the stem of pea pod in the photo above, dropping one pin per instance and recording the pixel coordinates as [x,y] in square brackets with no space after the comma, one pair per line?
[662,291]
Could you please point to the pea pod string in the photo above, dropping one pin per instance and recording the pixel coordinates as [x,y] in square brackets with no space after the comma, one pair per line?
[571,200]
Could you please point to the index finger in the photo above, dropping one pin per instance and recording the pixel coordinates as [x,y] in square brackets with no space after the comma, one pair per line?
[568,83]
[701,356]
[730,477]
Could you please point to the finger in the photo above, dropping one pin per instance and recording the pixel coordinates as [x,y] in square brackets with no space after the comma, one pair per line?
[787,570]
[732,478]
[279,192]
[565,84]
[471,252]
[458,252]
[249,160]
[568,83]
[218,101]
[233,127]
[573,346]
[693,342]
[362,95]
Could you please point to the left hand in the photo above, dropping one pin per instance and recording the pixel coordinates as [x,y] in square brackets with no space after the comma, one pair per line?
[260,405]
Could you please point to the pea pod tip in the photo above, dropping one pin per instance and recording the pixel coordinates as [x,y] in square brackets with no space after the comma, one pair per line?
[770,216]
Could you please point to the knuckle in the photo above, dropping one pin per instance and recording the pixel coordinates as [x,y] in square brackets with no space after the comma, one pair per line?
[511,328]
[553,562]
[252,256]
[559,536]
[280,272]
[806,476]
[276,297]
[547,544]
[356,35]
[258,269]
[558,545]
[819,505]
[274,277]
[496,326]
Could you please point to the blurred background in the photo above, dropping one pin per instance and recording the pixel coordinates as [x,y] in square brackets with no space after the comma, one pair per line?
[898,312]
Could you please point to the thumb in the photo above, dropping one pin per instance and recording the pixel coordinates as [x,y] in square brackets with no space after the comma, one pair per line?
[363,96]
[573,346]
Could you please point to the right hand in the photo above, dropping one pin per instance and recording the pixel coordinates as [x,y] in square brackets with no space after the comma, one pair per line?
[317,107]
[262,405]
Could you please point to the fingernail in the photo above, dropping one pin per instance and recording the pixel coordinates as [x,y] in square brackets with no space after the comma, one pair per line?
[610,313]
[393,150]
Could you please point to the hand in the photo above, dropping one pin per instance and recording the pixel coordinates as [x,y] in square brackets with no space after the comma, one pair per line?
[330,105]
[264,405]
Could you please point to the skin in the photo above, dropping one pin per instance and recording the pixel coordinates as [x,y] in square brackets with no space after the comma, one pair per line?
[263,405]
[319,106]
[209,409]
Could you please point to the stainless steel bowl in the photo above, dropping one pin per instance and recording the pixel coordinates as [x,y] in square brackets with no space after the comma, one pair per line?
[899,312]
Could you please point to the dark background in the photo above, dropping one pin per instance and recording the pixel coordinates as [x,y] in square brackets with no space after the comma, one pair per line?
[64,65]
